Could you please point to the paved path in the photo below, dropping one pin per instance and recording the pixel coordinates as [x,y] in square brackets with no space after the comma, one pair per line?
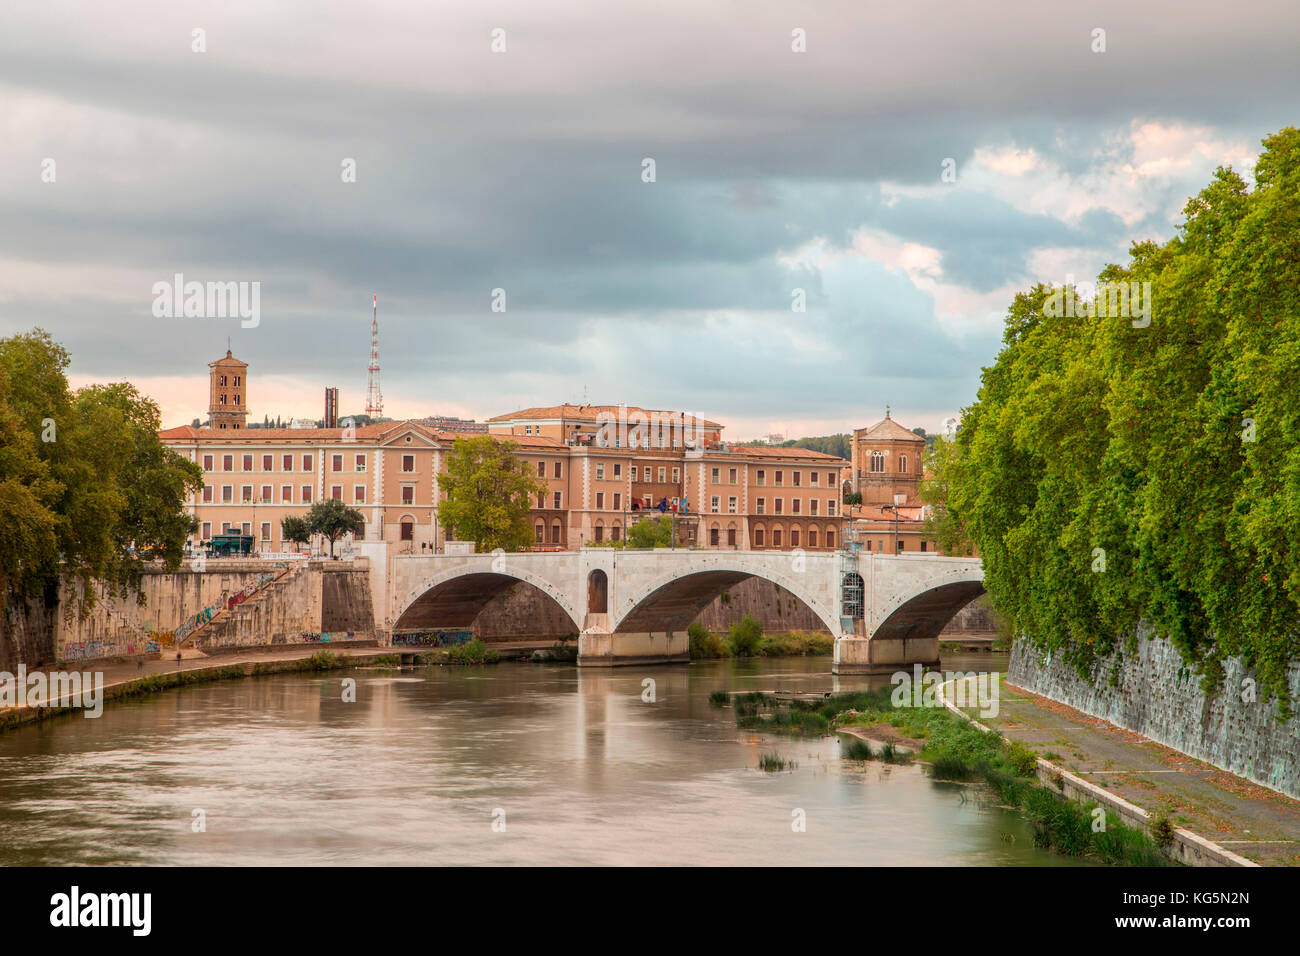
[1258,823]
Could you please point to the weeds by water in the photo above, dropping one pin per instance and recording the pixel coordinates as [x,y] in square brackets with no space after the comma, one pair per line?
[773,763]
[475,652]
[746,639]
[719,698]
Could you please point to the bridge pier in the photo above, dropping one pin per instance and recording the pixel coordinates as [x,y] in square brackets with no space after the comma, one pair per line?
[619,649]
[861,655]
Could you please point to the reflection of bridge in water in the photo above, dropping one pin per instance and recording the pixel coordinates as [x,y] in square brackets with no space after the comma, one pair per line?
[634,606]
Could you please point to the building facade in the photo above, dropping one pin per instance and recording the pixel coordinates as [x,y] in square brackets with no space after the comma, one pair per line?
[887,462]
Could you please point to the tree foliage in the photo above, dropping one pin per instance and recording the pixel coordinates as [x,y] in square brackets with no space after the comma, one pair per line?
[1113,474]
[490,492]
[942,464]
[331,519]
[84,479]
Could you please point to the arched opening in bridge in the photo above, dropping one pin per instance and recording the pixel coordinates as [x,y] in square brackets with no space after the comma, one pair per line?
[853,595]
[597,592]
[719,598]
[497,607]
[926,614]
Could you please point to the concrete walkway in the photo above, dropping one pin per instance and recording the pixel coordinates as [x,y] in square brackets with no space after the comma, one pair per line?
[1260,824]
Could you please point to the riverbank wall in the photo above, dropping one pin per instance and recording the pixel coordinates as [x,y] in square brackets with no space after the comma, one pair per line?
[1155,694]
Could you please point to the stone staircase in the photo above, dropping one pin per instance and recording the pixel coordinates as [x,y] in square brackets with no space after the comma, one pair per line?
[227,614]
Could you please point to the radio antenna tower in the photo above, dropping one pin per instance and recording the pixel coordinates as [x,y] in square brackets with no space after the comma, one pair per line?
[374,400]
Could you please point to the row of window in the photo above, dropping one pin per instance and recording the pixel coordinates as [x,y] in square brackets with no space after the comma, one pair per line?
[287,462]
[778,506]
[777,537]
[246,527]
[778,477]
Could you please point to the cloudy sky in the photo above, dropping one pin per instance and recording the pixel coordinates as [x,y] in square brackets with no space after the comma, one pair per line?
[522,170]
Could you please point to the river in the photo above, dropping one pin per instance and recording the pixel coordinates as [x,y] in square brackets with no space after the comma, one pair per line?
[512,764]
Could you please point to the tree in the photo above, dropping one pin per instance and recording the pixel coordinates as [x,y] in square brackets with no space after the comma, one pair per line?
[85,484]
[490,493]
[1131,468]
[644,534]
[295,529]
[943,523]
[332,519]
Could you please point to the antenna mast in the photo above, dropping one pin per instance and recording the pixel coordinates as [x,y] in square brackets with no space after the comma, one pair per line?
[374,400]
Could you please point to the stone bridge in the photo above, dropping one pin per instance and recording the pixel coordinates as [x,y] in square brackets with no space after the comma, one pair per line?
[633,607]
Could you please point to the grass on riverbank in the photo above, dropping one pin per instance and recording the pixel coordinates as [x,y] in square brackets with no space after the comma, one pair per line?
[746,639]
[957,750]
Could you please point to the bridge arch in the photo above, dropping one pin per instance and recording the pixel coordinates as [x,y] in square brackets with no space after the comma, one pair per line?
[923,613]
[671,601]
[454,598]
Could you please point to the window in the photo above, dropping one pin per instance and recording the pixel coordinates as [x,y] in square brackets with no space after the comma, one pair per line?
[237,380]
[795,505]
[408,494]
[207,494]
[812,535]
[268,462]
[713,536]
[661,476]
[222,381]
[776,537]
[306,462]
[360,534]
[731,505]
[207,462]
[600,532]
[541,499]
[266,494]
[286,463]
[634,472]
[246,493]
[541,469]
[830,538]
[286,494]
[408,530]
[615,532]
[336,462]
[266,531]
[556,499]
[618,473]
[359,494]
[227,462]
[923,547]
[812,506]
[408,463]
[677,475]
[248,463]
[731,537]
[714,475]
[794,537]
[780,506]
[758,537]
[246,528]
[713,504]
[336,492]
[618,503]
[902,464]
[600,471]
[221,400]
[899,549]
[761,506]
[556,473]
[731,476]
[600,499]
[539,533]
[780,478]
[878,461]
[207,531]
[762,477]
[830,507]
[830,479]
[555,533]
[812,477]
[306,495]
[360,463]
[868,545]
[797,475]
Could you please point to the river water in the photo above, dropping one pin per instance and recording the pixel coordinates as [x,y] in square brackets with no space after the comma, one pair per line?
[512,764]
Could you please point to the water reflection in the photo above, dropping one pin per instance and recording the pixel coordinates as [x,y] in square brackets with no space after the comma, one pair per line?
[583,766]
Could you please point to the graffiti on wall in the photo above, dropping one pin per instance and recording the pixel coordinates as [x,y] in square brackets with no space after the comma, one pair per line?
[438,638]
[91,650]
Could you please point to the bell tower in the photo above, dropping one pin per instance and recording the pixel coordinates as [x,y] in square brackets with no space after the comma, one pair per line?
[228,392]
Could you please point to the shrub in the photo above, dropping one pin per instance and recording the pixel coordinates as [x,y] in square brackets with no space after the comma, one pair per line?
[475,652]
[746,637]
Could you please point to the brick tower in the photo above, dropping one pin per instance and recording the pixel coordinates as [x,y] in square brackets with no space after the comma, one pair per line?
[227,392]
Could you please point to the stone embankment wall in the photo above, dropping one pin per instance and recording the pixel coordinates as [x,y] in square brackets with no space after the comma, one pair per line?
[1158,696]
[320,602]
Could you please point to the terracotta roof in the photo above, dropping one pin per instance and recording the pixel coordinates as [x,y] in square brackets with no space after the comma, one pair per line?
[590,413]
[766,451]
[889,430]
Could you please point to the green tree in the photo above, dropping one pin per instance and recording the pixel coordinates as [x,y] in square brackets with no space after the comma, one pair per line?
[490,492]
[84,481]
[943,524]
[1117,472]
[644,534]
[295,529]
[332,519]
